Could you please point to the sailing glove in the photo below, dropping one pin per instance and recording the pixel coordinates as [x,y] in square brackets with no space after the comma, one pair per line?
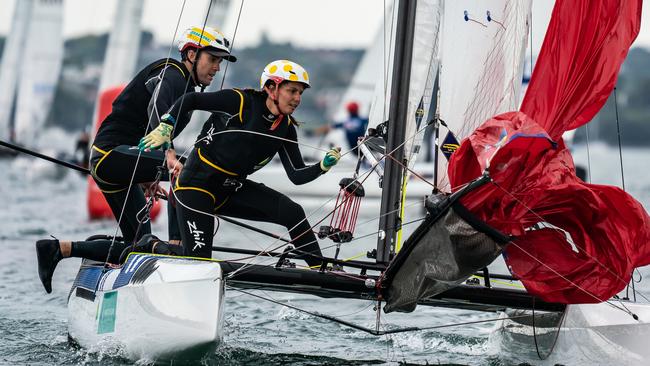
[331,158]
[160,136]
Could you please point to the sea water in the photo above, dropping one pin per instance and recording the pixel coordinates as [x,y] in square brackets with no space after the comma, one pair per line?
[39,201]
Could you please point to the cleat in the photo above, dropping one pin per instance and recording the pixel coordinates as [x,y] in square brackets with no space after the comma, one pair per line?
[48,254]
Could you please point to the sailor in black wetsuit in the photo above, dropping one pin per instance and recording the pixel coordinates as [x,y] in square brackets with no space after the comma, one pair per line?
[245,131]
[115,153]
[137,110]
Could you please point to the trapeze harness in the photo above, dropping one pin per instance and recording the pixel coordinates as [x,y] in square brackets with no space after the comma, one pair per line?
[235,141]
[114,152]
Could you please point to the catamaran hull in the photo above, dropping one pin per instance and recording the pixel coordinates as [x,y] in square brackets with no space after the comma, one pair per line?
[597,334]
[154,308]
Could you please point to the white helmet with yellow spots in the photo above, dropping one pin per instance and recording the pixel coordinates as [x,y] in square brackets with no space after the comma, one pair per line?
[207,39]
[281,70]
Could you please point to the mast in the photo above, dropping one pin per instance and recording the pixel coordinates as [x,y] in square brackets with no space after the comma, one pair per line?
[389,222]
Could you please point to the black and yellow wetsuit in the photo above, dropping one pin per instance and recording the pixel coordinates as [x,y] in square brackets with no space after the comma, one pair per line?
[240,137]
[115,152]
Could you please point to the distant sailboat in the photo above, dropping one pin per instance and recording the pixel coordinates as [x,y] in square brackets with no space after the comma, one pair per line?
[123,45]
[30,69]
[11,67]
[362,85]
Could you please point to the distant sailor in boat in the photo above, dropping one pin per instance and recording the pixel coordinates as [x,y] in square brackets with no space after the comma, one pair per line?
[354,125]
[116,164]
[246,130]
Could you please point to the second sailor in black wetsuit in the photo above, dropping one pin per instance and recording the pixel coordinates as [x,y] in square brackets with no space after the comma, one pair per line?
[115,161]
[246,130]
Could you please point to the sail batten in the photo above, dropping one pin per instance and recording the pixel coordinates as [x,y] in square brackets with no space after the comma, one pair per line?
[482,58]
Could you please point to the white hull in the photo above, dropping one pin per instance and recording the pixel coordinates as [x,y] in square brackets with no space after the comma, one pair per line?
[154,308]
[597,334]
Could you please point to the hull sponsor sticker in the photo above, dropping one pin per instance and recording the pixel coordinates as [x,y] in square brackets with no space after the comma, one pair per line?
[107,313]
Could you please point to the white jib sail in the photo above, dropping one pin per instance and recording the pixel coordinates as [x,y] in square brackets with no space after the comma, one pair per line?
[42,59]
[482,56]
[11,66]
[423,66]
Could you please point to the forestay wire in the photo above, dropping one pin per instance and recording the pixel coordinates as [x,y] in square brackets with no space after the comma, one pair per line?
[375,332]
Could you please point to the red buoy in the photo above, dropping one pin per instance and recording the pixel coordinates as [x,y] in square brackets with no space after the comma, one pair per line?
[98,208]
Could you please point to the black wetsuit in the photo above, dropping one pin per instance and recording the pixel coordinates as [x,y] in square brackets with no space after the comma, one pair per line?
[213,179]
[115,152]
[104,249]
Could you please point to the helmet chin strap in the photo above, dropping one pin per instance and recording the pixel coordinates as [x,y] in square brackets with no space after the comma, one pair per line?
[194,72]
[274,98]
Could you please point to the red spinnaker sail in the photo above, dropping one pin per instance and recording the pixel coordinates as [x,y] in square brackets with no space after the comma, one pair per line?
[592,236]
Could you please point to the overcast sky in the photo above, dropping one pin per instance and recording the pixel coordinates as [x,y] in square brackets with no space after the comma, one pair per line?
[312,23]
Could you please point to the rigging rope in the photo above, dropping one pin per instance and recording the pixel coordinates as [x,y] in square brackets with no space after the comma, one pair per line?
[360,277]
[149,203]
[562,234]
[232,44]
[620,158]
[366,173]
[297,248]
[375,332]
[266,254]
[137,161]
[557,334]
[316,148]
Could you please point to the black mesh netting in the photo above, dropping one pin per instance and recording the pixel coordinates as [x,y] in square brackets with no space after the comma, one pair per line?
[442,253]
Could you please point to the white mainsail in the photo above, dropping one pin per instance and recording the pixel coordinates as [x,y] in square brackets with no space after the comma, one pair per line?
[41,66]
[423,67]
[123,45]
[482,58]
[11,66]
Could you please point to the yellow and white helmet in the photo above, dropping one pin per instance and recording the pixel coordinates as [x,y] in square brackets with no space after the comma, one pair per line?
[208,39]
[281,70]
